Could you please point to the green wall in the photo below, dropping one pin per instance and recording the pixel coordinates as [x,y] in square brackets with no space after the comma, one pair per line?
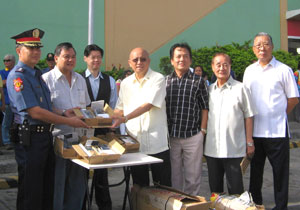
[293,4]
[61,20]
[235,21]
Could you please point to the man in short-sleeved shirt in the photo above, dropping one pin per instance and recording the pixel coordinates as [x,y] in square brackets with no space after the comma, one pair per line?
[274,93]
[141,105]
[9,62]
[2,109]
[68,90]
[2,95]
[229,128]
[31,105]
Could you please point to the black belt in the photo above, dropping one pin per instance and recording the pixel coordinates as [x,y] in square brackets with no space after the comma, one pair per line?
[41,128]
[38,128]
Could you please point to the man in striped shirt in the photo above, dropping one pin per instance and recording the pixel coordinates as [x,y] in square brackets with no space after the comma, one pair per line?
[187,110]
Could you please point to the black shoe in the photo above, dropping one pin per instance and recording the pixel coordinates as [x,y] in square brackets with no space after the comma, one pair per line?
[1,153]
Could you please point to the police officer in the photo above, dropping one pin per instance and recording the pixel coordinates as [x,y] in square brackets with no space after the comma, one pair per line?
[50,63]
[30,103]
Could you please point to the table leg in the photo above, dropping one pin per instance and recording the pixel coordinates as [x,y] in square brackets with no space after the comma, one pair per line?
[90,195]
[126,195]
[87,190]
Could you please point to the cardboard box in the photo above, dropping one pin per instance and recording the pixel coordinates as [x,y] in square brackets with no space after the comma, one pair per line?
[60,150]
[234,202]
[165,198]
[102,158]
[94,121]
[129,147]
[108,110]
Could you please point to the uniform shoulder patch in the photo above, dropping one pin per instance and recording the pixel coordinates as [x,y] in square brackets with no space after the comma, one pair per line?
[18,84]
[20,70]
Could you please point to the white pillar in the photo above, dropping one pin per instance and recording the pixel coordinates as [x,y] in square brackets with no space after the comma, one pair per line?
[91,22]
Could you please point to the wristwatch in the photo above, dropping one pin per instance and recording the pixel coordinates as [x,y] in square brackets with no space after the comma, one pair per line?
[63,113]
[125,119]
[204,130]
[249,144]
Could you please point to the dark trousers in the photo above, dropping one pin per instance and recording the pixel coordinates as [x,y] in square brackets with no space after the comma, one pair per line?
[278,153]
[161,172]
[231,167]
[100,180]
[102,194]
[1,119]
[36,173]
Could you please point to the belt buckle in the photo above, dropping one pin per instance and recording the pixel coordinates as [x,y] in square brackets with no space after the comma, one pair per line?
[39,128]
[51,127]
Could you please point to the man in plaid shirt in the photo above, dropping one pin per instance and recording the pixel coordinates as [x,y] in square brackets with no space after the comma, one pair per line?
[187,110]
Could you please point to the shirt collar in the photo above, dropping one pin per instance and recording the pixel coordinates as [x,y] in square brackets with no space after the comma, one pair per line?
[27,68]
[88,73]
[227,84]
[272,63]
[187,74]
[146,77]
[57,73]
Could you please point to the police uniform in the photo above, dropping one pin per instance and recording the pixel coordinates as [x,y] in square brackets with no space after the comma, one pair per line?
[33,142]
[49,57]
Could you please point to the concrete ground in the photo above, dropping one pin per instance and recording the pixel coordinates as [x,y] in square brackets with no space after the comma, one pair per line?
[8,170]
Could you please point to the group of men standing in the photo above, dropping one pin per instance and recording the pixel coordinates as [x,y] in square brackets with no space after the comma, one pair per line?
[47,181]
[244,119]
[170,117]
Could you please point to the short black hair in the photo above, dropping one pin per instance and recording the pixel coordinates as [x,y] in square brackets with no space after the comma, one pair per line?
[181,45]
[63,45]
[92,47]
[200,67]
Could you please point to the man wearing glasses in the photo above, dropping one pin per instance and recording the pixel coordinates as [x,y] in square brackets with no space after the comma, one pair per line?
[9,62]
[274,93]
[141,105]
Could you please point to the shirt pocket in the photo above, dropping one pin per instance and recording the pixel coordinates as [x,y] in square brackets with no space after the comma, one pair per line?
[57,99]
[80,95]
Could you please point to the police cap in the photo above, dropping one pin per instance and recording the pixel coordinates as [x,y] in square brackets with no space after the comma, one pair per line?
[50,57]
[30,38]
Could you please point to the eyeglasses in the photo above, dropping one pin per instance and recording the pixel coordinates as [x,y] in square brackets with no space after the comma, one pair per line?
[6,60]
[68,57]
[265,45]
[139,59]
